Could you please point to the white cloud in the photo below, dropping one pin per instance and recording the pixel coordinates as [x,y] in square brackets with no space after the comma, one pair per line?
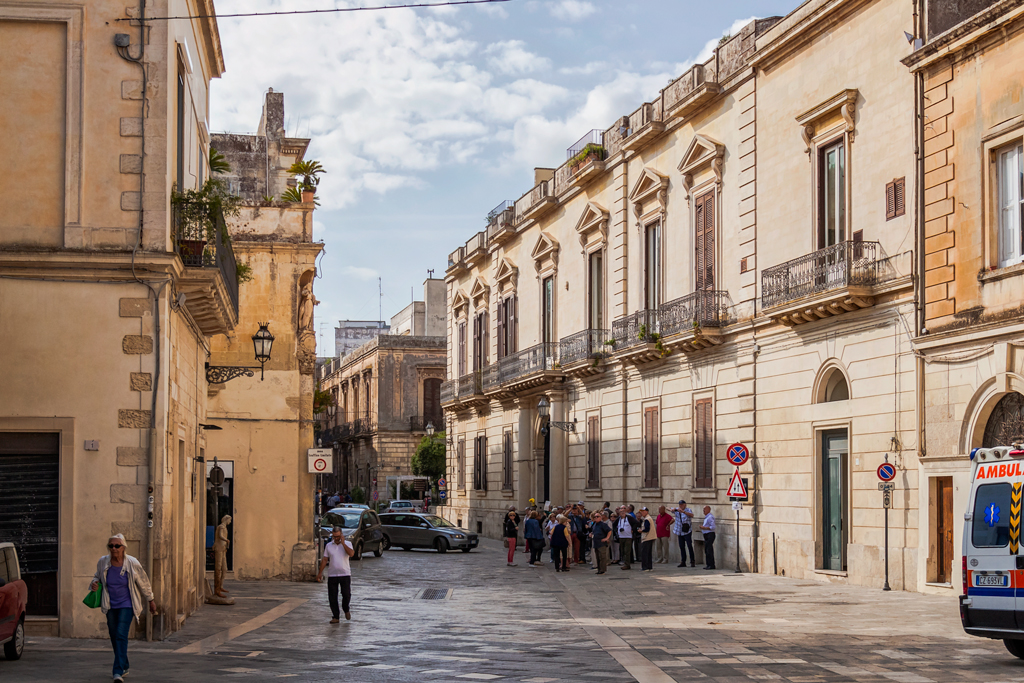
[360,273]
[571,10]
[512,57]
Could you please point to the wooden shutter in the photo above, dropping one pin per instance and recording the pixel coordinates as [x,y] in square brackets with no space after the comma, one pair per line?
[895,198]
[432,402]
[462,349]
[502,312]
[486,348]
[651,458]
[705,241]
[478,341]
[460,457]
[482,450]
[506,460]
[703,451]
[593,452]
[513,337]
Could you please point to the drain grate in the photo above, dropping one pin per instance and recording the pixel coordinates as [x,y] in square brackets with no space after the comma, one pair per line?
[639,613]
[435,594]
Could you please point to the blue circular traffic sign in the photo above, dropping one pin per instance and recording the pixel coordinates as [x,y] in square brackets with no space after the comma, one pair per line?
[737,454]
[886,472]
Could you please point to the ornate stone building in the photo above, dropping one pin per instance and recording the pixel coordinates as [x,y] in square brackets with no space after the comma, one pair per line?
[385,394]
[265,418]
[731,262]
[969,199]
[107,312]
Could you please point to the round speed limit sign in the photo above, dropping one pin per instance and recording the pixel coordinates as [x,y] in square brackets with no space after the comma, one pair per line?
[320,464]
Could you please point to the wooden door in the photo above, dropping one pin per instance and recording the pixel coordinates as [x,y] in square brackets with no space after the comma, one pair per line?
[944,529]
[833,480]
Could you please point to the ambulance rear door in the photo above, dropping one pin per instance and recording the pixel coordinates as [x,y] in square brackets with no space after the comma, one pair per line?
[991,563]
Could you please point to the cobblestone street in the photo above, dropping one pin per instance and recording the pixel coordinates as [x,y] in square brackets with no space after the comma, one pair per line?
[532,625]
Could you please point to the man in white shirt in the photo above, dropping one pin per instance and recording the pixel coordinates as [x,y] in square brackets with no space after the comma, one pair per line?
[627,527]
[339,573]
[708,528]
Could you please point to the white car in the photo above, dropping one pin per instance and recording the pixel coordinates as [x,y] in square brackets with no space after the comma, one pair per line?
[405,506]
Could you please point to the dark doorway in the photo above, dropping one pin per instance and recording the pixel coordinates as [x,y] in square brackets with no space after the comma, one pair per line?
[834,455]
[29,511]
[547,464]
[943,529]
[216,507]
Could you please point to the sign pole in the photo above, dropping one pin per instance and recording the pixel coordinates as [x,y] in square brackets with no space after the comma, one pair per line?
[886,587]
[737,538]
[886,473]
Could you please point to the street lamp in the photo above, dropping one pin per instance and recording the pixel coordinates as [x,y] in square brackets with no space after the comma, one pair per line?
[430,429]
[544,410]
[262,343]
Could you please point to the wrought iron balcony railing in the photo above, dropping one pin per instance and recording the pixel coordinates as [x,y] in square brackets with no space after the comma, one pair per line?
[846,264]
[700,309]
[585,345]
[539,358]
[594,138]
[469,385]
[449,390]
[200,247]
[636,329]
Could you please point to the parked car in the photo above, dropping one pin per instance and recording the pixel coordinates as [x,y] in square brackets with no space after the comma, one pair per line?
[405,506]
[13,603]
[354,505]
[361,528]
[414,530]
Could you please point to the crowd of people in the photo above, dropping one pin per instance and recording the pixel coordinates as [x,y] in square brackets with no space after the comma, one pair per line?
[610,536]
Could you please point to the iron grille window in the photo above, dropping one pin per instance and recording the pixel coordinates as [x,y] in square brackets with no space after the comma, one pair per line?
[703,445]
[652,444]
[506,461]
[460,464]
[593,452]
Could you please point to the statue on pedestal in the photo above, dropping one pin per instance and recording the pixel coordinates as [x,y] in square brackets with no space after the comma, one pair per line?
[220,564]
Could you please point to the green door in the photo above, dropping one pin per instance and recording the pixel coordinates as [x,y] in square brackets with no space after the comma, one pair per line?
[835,448]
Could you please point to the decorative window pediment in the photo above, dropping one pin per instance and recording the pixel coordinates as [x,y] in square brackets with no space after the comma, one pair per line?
[702,153]
[459,302]
[507,274]
[594,219]
[822,117]
[650,185]
[546,249]
[478,293]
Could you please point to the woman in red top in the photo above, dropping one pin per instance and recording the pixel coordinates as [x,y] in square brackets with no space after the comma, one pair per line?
[662,523]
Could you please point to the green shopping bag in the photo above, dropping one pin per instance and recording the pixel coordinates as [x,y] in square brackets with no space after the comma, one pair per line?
[94,598]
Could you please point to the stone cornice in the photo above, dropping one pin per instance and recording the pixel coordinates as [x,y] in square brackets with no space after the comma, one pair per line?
[997,18]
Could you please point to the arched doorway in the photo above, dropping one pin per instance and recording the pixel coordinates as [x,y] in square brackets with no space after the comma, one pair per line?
[1006,422]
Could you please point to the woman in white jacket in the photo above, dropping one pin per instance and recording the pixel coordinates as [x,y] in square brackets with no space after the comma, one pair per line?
[125,584]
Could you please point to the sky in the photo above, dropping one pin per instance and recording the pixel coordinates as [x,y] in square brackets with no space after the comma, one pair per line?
[426,119]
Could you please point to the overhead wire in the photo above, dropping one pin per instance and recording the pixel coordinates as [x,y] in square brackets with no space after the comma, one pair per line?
[329,10]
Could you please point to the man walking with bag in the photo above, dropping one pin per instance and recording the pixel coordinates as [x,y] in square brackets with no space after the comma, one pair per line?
[339,573]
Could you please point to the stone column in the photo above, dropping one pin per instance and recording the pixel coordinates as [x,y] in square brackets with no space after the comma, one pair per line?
[304,552]
[526,459]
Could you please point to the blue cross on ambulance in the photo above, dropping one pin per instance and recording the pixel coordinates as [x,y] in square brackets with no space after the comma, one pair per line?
[992,605]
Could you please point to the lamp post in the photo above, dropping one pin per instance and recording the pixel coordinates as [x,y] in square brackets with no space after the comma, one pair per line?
[262,343]
[430,429]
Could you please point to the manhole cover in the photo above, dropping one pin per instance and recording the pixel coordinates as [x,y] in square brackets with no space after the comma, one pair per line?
[434,594]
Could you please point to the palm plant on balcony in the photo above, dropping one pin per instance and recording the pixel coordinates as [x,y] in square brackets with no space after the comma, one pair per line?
[590,152]
[198,213]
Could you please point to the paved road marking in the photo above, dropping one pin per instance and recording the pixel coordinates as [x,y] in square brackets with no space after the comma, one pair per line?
[638,666]
[201,647]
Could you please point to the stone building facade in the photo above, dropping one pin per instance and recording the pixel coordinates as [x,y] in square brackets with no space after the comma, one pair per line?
[106,321]
[386,392]
[266,418]
[969,327]
[726,264]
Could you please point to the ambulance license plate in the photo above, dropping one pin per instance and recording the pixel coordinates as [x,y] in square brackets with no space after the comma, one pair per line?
[991,580]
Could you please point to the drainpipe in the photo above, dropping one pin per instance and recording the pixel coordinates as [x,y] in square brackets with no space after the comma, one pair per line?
[919,281]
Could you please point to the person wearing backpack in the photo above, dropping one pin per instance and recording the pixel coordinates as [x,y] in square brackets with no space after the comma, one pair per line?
[682,527]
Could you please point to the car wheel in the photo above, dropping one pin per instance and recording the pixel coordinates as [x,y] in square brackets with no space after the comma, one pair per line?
[379,550]
[16,645]
[1015,647]
[441,545]
[465,550]
[358,555]
[385,543]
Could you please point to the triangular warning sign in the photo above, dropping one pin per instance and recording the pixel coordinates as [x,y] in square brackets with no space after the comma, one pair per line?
[736,487]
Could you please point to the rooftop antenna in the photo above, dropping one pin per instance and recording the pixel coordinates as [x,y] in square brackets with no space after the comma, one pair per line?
[380,304]
[430,273]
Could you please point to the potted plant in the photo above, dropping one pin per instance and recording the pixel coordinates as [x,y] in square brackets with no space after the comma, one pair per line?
[590,152]
[198,215]
[310,173]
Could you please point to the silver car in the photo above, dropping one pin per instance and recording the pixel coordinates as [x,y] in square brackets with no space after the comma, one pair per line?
[415,530]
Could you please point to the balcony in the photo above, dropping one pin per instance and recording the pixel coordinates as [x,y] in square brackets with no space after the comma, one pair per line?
[645,124]
[691,91]
[524,369]
[449,392]
[638,337]
[829,282]
[210,277]
[538,202]
[694,322]
[585,159]
[457,260]
[500,223]
[470,392]
[476,248]
[583,354]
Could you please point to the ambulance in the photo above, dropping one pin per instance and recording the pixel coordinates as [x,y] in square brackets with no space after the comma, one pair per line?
[992,605]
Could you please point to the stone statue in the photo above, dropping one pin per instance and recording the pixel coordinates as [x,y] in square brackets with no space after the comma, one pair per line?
[220,564]
[306,307]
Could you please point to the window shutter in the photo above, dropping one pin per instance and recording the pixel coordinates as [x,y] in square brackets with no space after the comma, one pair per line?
[502,312]
[703,446]
[460,456]
[705,241]
[513,338]
[593,453]
[895,198]
[487,339]
[483,462]
[651,448]
[900,192]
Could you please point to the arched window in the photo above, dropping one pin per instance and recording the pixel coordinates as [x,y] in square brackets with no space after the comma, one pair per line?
[836,388]
[1006,423]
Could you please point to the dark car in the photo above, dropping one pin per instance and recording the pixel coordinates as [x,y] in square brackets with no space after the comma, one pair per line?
[361,528]
[414,530]
[13,603]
